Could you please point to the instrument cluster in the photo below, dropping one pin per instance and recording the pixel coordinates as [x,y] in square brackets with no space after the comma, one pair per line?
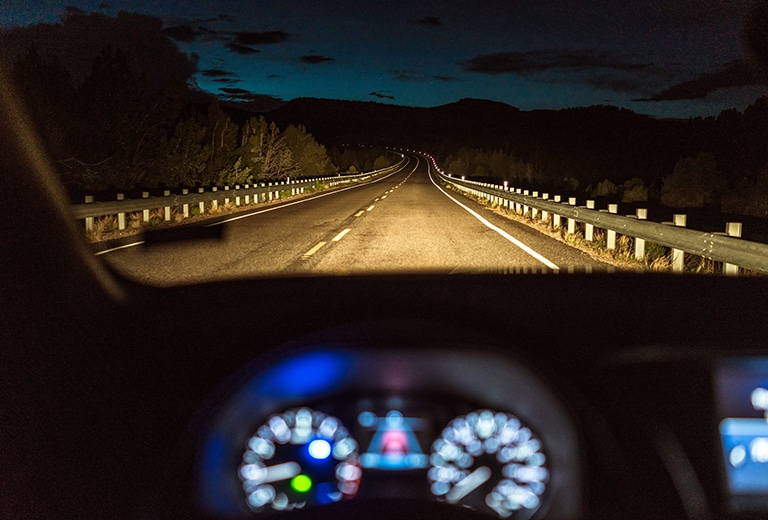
[468,428]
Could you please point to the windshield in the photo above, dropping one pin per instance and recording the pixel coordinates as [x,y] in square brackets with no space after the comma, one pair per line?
[221,140]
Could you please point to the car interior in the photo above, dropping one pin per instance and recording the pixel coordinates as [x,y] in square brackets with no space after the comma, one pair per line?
[384,395]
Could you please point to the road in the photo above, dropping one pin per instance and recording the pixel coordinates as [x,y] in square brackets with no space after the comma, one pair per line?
[403,222]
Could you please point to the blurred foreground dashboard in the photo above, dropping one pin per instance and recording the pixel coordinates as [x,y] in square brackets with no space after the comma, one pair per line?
[454,402]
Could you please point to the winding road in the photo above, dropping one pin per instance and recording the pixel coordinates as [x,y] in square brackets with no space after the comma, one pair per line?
[401,222]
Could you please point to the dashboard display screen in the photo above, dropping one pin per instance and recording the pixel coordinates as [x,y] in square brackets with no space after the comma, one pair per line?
[742,394]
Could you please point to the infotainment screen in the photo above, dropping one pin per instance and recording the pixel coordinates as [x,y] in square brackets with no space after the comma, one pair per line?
[742,404]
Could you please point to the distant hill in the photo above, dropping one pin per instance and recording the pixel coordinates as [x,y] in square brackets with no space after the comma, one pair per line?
[592,142]
[587,143]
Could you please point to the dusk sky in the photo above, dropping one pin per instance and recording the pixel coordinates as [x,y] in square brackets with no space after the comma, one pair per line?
[670,58]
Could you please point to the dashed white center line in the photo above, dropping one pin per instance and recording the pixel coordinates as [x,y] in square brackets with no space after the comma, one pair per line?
[359,213]
[312,251]
[369,208]
[383,197]
[340,235]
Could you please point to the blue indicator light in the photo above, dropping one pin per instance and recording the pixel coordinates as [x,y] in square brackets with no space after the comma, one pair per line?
[305,375]
[319,449]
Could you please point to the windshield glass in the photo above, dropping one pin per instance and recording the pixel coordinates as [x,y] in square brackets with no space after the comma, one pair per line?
[218,140]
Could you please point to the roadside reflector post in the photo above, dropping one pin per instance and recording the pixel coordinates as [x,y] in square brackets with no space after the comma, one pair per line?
[201,205]
[610,234]
[89,220]
[642,214]
[732,229]
[678,255]
[121,216]
[534,210]
[237,196]
[589,229]
[214,202]
[226,199]
[545,214]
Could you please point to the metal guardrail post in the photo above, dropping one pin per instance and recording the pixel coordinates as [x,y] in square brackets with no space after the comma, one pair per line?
[678,255]
[121,216]
[185,206]
[641,214]
[167,209]
[556,217]
[145,212]
[732,229]
[89,220]
[572,221]
[589,229]
[610,234]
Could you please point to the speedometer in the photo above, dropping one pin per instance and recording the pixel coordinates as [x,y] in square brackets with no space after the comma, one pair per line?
[297,458]
[489,461]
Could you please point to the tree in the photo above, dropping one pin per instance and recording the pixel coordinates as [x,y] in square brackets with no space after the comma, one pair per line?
[265,151]
[311,157]
[695,181]
[183,156]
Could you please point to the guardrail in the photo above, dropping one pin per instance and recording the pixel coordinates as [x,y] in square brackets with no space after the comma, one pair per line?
[241,196]
[725,247]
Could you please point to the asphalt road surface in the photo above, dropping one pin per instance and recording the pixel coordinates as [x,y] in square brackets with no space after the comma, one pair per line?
[403,222]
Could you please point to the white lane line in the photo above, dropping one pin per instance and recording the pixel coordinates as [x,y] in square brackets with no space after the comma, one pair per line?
[312,251]
[369,208]
[119,247]
[274,208]
[359,213]
[383,197]
[340,235]
[498,230]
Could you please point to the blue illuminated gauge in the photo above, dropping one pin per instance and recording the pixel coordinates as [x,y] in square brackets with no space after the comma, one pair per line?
[489,461]
[298,458]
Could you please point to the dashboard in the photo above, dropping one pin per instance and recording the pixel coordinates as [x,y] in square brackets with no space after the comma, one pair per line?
[333,424]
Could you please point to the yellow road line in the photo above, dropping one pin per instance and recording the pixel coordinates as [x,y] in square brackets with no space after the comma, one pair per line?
[340,235]
[312,251]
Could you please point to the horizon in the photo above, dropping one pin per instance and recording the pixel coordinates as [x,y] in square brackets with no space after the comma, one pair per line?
[664,59]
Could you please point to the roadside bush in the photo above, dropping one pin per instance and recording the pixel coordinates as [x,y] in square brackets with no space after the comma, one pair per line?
[695,181]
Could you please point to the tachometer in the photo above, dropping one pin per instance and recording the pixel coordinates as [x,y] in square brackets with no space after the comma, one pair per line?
[489,461]
[297,458]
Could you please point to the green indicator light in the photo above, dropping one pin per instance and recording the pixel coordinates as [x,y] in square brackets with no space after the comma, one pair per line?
[301,483]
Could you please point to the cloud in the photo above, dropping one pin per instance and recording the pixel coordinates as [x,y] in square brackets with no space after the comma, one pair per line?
[737,73]
[211,73]
[79,37]
[445,78]
[261,38]
[314,59]
[382,94]
[540,61]
[241,49]
[431,21]
[258,102]
[409,74]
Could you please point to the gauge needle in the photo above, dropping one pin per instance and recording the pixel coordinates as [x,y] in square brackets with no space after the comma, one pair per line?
[282,471]
[468,484]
